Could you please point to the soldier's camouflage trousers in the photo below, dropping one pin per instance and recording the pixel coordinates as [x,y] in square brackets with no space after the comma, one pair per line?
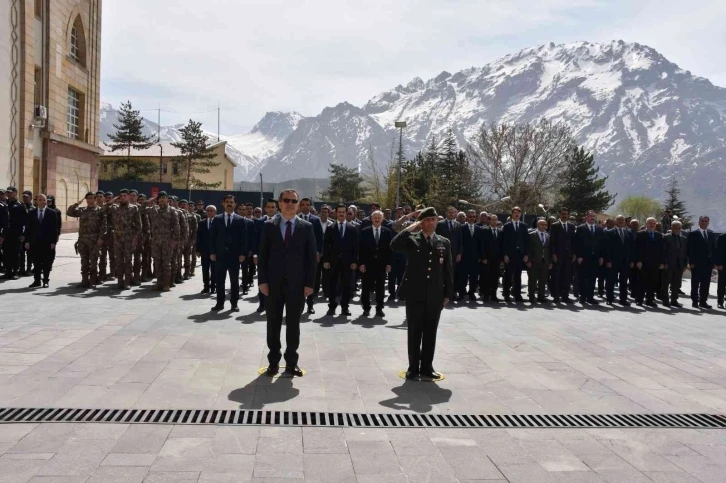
[88,250]
[123,251]
[163,256]
[107,253]
[175,263]
[137,258]
[187,254]
[193,257]
[146,259]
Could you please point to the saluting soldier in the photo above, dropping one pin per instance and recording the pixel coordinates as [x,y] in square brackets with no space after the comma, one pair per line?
[428,285]
[126,222]
[107,252]
[91,232]
[146,274]
[139,248]
[165,227]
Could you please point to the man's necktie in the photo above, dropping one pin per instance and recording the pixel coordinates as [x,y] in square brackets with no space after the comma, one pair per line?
[341,230]
[705,235]
[378,236]
[40,216]
[622,235]
[592,229]
[209,224]
[542,238]
[428,240]
[652,236]
[495,233]
[516,226]
[678,242]
[471,230]
[288,232]
[229,218]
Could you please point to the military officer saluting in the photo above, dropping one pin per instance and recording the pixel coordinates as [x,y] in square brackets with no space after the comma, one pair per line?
[428,285]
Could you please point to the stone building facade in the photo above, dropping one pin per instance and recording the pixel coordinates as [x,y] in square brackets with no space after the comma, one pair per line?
[49,131]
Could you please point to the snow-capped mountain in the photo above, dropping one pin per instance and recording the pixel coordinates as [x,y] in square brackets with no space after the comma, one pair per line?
[645,118]
[248,151]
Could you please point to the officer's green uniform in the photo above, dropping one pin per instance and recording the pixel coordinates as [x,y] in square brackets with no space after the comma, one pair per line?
[428,280]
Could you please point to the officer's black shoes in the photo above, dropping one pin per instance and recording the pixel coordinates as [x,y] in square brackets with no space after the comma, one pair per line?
[311,310]
[45,284]
[679,305]
[720,306]
[472,297]
[431,374]
[694,305]
[625,303]
[34,284]
[568,300]
[651,303]
[366,312]
[507,299]
[330,312]
[217,308]
[212,290]
[345,312]
[272,370]
[391,299]
[411,375]
[260,309]
[704,305]
[495,299]
[666,304]
[592,301]
[543,300]
[235,308]
[292,372]
[205,290]
[519,299]
[379,313]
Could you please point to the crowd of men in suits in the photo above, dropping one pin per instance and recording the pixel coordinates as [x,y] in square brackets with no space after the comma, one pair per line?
[615,260]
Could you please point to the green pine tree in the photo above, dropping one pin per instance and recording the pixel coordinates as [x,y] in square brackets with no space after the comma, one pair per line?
[196,157]
[129,135]
[346,184]
[583,189]
[677,206]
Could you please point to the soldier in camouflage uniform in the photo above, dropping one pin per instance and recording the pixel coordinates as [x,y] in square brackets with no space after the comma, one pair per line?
[193,228]
[107,252]
[146,272]
[126,222]
[91,232]
[183,235]
[139,248]
[187,247]
[165,227]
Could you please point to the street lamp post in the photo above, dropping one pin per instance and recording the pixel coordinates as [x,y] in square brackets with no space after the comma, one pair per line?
[161,164]
[400,125]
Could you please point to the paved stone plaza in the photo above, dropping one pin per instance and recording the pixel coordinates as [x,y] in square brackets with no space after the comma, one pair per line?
[64,347]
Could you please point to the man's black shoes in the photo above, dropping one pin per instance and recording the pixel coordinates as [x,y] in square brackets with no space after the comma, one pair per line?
[217,308]
[272,370]
[34,284]
[345,312]
[330,312]
[431,374]
[311,310]
[366,312]
[292,372]
[235,308]
[260,309]
[379,313]
[704,305]
[205,290]
[411,375]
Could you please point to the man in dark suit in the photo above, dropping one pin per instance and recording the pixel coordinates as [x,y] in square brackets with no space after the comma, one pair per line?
[539,262]
[287,263]
[204,249]
[398,260]
[340,256]
[41,238]
[675,257]
[589,248]
[720,260]
[427,287]
[270,212]
[375,262]
[649,260]
[563,256]
[305,214]
[471,256]
[492,259]
[229,249]
[701,255]
[322,276]
[516,248]
[366,222]
[14,236]
[451,229]
[619,254]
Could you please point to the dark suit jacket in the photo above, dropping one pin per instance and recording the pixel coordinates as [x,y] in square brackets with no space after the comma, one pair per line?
[429,276]
[204,237]
[587,244]
[619,252]
[515,242]
[562,236]
[232,238]
[492,246]
[472,247]
[250,235]
[700,251]
[3,218]
[366,222]
[372,254]
[318,231]
[259,225]
[454,235]
[649,252]
[18,219]
[341,251]
[673,256]
[42,233]
[295,263]
[720,258]
[537,252]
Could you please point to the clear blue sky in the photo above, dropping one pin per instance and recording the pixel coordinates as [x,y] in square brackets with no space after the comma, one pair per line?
[258,56]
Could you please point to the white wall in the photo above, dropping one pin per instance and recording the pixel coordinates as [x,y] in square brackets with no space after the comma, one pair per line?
[5,79]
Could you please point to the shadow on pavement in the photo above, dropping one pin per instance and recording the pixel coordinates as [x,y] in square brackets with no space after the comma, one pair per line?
[417,396]
[264,390]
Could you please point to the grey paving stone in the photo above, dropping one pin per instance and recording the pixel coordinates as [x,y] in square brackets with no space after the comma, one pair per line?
[280,465]
[77,458]
[148,439]
[183,454]
[374,457]
[324,441]
[332,468]
[172,477]
[58,479]
[45,438]
[128,459]
[469,462]
[235,439]
[118,474]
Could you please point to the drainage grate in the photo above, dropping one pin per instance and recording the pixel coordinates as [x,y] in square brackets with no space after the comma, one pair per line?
[358,420]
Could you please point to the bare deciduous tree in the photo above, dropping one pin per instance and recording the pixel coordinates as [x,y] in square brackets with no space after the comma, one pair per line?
[523,161]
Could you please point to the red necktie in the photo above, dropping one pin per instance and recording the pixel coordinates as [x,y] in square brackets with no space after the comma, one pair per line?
[288,232]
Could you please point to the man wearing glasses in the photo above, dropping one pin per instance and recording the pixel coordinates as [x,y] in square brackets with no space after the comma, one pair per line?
[228,250]
[287,262]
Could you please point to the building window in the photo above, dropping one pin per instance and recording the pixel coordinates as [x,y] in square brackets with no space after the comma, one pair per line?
[77,47]
[164,168]
[174,169]
[73,118]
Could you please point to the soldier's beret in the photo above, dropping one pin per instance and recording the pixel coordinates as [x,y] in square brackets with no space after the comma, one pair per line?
[28,193]
[142,195]
[162,194]
[174,197]
[91,193]
[427,212]
[133,191]
[51,198]
[11,189]
[108,193]
[183,201]
[2,192]
[200,201]
[123,191]
[99,192]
